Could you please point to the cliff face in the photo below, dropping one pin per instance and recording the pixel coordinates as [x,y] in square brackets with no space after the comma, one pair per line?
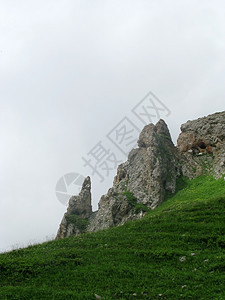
[202,143]
[150,171]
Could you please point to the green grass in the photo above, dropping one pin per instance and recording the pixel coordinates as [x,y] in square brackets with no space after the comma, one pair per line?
[176,251]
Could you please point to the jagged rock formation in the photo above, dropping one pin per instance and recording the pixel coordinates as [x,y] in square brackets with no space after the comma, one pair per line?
[140,182]
[202,143]
[75,220]
[151,170]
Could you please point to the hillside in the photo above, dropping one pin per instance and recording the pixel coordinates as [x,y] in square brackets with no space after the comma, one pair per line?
[176,251]
[150,172]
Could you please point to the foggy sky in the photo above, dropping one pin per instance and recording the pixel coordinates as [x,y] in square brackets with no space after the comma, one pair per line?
[71,70]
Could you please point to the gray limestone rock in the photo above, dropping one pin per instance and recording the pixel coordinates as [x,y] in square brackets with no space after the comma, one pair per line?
[81,204]
[202,143]
[150,171]
[76,219]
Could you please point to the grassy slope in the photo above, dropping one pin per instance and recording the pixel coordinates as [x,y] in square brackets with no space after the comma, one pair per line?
[140,260]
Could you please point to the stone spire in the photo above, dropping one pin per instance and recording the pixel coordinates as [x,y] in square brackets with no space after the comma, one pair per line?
[81,205]
[75,220]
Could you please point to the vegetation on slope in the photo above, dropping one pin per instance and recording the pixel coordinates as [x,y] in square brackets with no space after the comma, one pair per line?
[176,251]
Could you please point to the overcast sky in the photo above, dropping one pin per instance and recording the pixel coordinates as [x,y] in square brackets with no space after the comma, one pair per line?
[71,70]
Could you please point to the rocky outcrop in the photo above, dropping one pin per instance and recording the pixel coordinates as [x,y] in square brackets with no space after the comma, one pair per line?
[150,171]
[141,182]
[79,210]
[202,143]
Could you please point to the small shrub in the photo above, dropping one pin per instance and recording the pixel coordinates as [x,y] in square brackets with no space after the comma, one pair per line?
[140,207]
[132,200]
[79,222]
